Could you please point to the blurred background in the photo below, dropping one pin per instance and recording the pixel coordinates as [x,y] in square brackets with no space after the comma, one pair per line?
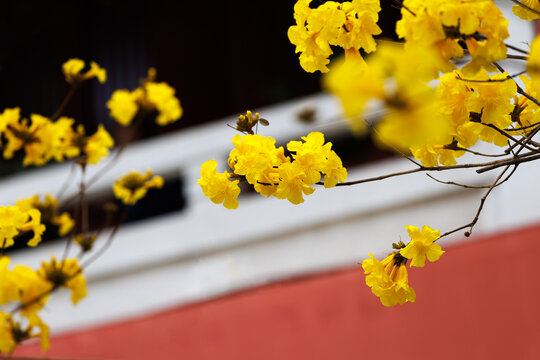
[185,278]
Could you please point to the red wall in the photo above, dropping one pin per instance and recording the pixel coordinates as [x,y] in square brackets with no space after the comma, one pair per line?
[479,301]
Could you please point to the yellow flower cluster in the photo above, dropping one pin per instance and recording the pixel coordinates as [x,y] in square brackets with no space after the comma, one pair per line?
[350,25]
[43,139]
[30,290]
[448,26]
[151,96]
[134,186]
[388,279]
[73,67]
[14,221]
[49,212]
[256,159]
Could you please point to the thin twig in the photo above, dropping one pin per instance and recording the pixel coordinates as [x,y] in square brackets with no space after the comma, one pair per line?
[516,49]
[473,186]
[108,243]
[64,103]
[478,211]
[517,57]
[514,161]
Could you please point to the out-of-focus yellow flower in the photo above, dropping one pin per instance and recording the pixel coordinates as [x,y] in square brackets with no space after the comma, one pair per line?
[35,321]
[134,186]
[162,97]
[98,145]
[93,147]
[13,333]
[85,241]
[7,341]
[32,290]
[13,221]
[422,245]
[97,72]
[8,288]
[66,273]
[533,64]
[347,81]
[41,139]
[73,67]
[217,186]
[123,106]
[8,117]
[49,212]
[388,279]
[525,13]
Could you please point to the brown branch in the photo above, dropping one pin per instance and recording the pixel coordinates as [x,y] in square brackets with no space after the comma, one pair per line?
[478,211]
[517,57]
[516,49]
[64,103]
[513,161]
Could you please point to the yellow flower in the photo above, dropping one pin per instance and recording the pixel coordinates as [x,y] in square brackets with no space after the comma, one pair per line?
[41,138]
[32,290]
[533,64]
[97,72]
[493,99]
[348,25]
[49,211]
[316,157]
[133,186]
[388,279]
[123,106]
[73,67]
[66,273]
[98,145]
[217,187]
[442,25]
[254,156]
[8,287]
[524,13]
[7,341]
[93,147]
[8,117]
[422,245]
[12,332]
[292,183]
[161,96]
[13,221]
[85,241]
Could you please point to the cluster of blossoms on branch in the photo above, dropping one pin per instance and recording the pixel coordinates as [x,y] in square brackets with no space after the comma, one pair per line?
[442,90]
[388,279]
[257,160]
[59,138]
